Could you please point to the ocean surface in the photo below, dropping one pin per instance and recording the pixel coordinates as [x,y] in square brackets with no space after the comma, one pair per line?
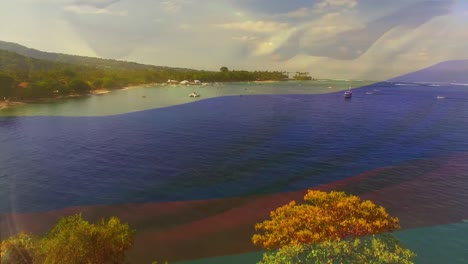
[243,140]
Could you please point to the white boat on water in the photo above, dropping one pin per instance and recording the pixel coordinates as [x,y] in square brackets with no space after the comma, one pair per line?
[194,94]
[440,97]
[348,93]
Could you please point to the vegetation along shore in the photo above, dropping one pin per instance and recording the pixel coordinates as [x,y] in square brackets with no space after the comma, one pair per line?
[28,75]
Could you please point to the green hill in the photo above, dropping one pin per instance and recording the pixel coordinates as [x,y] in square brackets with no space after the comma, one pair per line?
[29,74]
[11,63]
[80,60]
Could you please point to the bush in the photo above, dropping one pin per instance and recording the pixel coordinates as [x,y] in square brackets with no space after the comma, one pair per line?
[73,241]
[19,249]
[380,249]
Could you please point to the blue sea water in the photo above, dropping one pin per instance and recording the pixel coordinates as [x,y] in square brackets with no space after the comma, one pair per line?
[226,146]
[243,145]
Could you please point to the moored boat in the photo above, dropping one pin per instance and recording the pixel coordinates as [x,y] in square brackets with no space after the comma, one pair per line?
[194,94]
[348,93]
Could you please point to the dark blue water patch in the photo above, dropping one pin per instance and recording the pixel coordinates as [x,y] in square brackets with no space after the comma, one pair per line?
[222,147]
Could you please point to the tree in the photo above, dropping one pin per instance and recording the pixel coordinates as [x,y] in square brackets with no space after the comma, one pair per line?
[19,249]
[380,249]
[330,228]
[109,82]
[323,217]
[223,69]
[302,76]
[74,240]
[6,85]
[79,86]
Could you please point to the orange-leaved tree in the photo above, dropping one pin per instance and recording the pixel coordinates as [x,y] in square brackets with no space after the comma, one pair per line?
[323,217]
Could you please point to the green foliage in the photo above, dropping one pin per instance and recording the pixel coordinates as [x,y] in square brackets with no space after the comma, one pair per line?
[302,76]
[19,249]
[73,241]
[108,82]
[53,77]
[6,85]
[381,249]
[78,60]
[79,86]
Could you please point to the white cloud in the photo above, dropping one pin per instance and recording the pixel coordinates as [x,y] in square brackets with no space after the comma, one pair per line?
[173,6]
[91,10]
[185,26]
[336,3]
[328,26]
[397,52]
[95,2]
[301,12]
[326,6]
[270,45]
[245,38]
[255,26]
[249,41]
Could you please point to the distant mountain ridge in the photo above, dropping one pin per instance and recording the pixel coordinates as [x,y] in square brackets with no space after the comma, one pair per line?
[79,60]
[455,71]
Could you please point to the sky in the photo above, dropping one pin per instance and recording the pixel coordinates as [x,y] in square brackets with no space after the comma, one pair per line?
[341,39]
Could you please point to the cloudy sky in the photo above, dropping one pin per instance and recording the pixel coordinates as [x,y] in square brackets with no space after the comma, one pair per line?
[360,39]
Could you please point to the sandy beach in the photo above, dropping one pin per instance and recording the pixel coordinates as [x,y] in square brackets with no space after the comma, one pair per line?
[7,104]
[99,91]
[266,81]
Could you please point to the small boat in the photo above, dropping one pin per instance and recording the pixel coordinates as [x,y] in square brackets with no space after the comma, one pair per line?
[440,97]
[348,93]
[194,94]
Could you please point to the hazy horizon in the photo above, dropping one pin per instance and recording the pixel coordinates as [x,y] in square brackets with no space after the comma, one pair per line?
[345,39]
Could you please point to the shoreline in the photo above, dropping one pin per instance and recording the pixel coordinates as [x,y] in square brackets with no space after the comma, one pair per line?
[10,104]
[100,91]
[268,81]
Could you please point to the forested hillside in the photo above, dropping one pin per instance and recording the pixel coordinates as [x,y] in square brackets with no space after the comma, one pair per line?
[24,77]
[79,60]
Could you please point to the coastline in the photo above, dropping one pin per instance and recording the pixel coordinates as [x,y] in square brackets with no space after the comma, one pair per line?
[268,81]
[10,104]
[100,91]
